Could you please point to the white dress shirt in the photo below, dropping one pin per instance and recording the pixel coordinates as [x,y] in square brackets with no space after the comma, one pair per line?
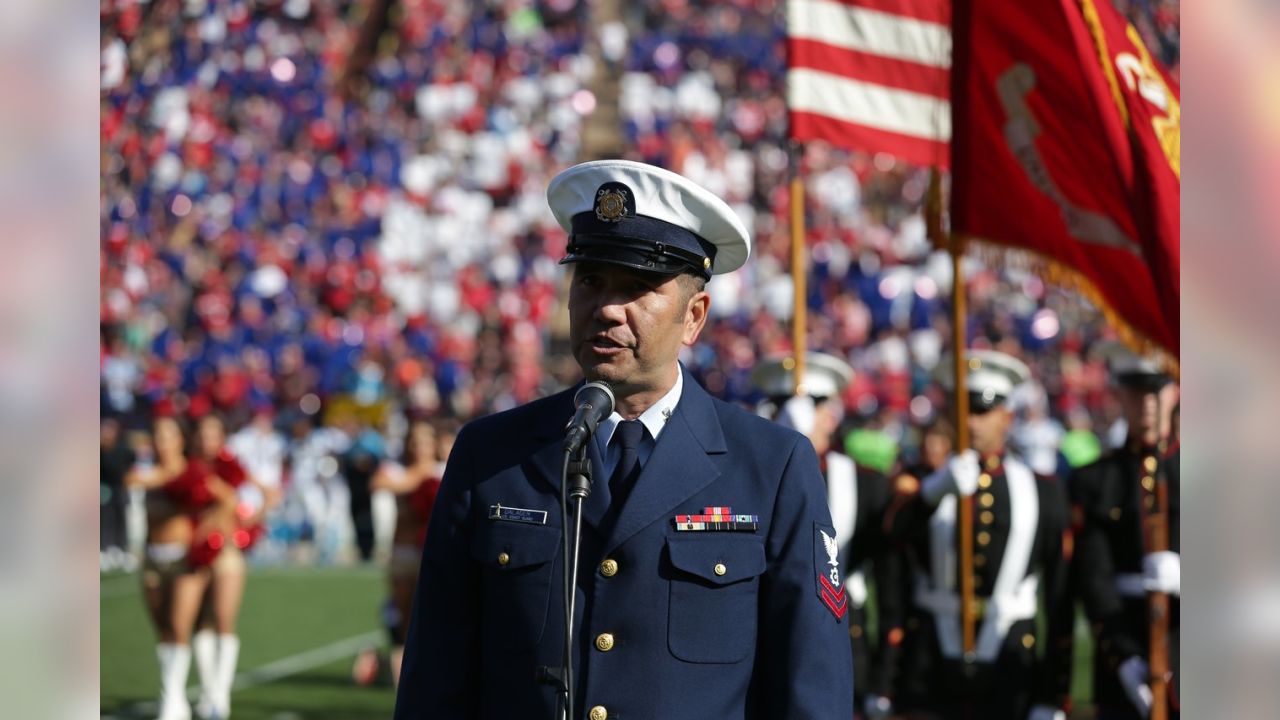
[654,419]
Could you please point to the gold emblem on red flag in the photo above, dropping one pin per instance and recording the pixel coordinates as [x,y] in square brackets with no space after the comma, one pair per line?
[1142,77]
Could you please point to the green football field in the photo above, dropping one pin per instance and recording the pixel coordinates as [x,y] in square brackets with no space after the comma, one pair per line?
[300,630]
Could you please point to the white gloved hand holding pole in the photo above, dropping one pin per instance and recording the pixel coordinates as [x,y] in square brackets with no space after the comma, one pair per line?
[798,413]
[959,476]
[1134,673]
[1162,572]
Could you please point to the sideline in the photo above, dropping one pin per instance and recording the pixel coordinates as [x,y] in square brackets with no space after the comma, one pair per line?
[270,672]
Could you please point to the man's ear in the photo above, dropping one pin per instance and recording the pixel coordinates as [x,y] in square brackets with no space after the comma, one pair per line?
[695,316]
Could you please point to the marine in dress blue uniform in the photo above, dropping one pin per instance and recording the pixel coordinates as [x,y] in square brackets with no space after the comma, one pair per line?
[858,497]
[1113,569]
[704,588]
[1019,555]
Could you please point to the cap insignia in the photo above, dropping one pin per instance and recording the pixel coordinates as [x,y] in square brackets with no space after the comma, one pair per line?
[611,204]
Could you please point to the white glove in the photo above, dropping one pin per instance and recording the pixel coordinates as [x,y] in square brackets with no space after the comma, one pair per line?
[877,706]
[959,475]
[798,414]
[1046,712]
[1162,572]
[1133,676]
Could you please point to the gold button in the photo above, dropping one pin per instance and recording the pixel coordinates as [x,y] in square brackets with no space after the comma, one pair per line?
[1149,501]
[1028,641]
[979,560]
[1115,513]
[855,631]
[609,567]
[984,481]
[599,713]
[1149,464]
[987,499]
[503,558]
[720,569]
[987,517]
[604,642]
[984,538]
[993,462]
[1148,483]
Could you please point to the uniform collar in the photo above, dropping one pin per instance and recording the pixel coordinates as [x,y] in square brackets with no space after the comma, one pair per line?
[654,418]
[992,461]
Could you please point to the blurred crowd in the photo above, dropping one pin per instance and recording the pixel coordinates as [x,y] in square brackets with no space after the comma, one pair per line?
[321,220]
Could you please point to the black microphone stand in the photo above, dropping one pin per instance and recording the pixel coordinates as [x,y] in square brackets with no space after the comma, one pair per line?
[575,486]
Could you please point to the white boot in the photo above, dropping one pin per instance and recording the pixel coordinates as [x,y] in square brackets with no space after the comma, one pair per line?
[204,646]
[228,654]
[175,662]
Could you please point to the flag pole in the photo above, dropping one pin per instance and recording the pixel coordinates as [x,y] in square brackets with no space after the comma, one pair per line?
[800,305]
[955,246]
[1155,530]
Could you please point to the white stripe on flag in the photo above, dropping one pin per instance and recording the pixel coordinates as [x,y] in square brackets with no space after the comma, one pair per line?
[870,31]
[875,106]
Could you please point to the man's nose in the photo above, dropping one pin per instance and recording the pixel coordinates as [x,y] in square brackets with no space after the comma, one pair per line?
[612,308]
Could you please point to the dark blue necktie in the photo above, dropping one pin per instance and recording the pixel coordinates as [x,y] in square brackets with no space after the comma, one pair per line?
[628,435]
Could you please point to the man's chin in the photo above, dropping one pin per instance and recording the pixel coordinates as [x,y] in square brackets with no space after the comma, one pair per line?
[606,371]
[605,374]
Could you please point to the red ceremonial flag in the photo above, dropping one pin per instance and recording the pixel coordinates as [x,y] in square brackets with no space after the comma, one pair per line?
[871,75]
[1066,144]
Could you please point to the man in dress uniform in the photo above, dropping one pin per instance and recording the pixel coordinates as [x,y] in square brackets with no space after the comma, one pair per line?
[708,587]
[1116,570]
[1019,519]
[858,497]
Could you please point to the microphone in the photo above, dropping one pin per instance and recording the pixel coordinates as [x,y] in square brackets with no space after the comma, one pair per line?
[595,403]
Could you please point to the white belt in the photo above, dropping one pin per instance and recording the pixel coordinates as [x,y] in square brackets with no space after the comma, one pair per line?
[937,602]
[1130,585]
[1005,610]
[1002,611]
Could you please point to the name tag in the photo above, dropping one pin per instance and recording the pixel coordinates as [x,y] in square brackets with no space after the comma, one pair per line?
[519,515]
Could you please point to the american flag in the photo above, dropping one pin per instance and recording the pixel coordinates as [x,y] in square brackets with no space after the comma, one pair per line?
[872,75]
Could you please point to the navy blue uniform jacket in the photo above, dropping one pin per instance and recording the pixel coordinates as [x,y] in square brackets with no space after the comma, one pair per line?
[751,638]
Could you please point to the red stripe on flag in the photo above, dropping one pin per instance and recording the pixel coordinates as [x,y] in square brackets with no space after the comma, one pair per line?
[877,69]
[935,11]
[919,151]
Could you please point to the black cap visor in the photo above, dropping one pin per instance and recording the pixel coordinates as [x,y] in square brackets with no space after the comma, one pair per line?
[1143,381]
[639,242]
[981,403]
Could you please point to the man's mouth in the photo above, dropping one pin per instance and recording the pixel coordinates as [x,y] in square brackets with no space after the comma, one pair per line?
[603,345]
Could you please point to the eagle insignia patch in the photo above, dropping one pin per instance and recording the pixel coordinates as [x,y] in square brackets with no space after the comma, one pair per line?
[827,566]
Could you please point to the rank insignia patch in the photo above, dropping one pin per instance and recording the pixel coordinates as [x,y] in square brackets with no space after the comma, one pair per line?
[827,566]
[717,518]
[519,515]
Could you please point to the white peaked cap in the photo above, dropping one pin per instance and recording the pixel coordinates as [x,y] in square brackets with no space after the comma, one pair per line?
[825,376]
[642,216]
